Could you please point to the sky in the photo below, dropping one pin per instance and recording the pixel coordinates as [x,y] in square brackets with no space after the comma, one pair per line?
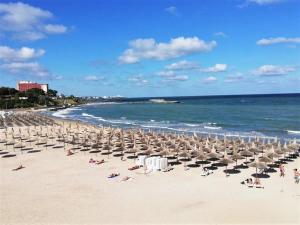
[140,48]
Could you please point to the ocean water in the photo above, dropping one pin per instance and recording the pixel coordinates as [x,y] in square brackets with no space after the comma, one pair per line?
[262,115]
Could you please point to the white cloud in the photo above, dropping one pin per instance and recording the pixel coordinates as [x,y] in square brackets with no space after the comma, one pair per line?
[19,16]
[220,34]
[139,80]
[234,78]
[265,2]
[278,40]
[168,73]
[55,29]
[272,70]
[58,77]
[25,22]
[266,82]
[261,2]
[178,78]
[93,78]
[210,79]
[141,49]
[8,54]
[172,10]
[26,68]
[182,65]
[216,68]
[28,36]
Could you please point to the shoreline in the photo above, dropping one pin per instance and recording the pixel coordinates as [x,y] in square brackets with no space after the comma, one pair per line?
[189,133]
[159,130]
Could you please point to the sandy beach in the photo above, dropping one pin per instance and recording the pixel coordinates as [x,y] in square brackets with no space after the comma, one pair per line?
[149,112]
[57,189]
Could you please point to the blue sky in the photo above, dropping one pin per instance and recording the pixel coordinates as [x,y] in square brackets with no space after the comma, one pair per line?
[138,48]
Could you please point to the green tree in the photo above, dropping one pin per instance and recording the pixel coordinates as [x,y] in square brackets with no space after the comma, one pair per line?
[7,91]
[52,93]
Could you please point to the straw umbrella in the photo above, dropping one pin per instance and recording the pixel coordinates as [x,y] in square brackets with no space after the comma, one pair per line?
[272,154]
[213,154]
[236,156]
[165,152]
[202,159]
[265,159]
[132,151]
[257,165]
[148,151]
[246,153]
[226,160]
[186,157]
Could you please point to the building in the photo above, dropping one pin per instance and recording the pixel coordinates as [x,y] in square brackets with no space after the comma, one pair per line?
[27,85]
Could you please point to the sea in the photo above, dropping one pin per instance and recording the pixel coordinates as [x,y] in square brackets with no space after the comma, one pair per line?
[265,116]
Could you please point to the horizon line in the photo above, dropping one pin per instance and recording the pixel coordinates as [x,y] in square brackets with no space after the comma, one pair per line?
[190,96]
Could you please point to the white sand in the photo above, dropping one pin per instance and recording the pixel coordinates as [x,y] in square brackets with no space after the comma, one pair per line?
[56,189]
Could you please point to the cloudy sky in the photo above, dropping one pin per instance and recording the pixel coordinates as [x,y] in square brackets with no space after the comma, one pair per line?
[152,48]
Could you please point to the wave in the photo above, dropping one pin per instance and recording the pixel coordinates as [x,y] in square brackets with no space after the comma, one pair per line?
[165,125]
[191,125]
[212,128]
[153,126]
[65,112]
[293,131]
[123,121]
[94,117]
[105,103]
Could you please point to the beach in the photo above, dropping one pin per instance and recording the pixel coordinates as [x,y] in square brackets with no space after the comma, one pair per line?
[54,188]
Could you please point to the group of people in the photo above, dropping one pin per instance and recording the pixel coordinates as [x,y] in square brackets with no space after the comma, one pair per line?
[250,183]
[296,173]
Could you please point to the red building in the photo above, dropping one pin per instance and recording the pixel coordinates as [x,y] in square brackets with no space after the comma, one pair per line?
[27,85]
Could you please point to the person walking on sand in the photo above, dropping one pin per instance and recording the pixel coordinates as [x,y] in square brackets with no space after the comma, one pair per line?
[296,176]
[282,170]
[70,152]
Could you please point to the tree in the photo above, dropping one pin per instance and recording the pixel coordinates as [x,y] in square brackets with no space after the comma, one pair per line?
[34,95]
[7,91]
[52,93]
[35,92]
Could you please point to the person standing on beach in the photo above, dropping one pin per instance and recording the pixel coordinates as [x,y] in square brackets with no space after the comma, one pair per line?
[296,176]
[282,170]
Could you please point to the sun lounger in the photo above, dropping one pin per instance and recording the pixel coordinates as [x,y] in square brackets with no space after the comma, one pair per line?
[126,178]
[168,169]
[100,162]
[134,168]
[259,186]
[18,168]
[113,175]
